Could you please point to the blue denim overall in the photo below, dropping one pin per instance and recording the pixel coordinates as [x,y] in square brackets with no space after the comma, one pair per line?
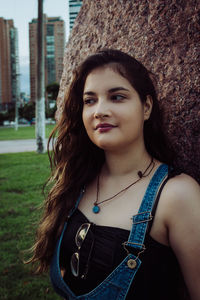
[117,284]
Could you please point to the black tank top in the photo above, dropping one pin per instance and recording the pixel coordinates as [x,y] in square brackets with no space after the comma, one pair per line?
[158,278]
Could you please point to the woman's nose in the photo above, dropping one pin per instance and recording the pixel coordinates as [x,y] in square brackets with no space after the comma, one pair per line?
[101,110]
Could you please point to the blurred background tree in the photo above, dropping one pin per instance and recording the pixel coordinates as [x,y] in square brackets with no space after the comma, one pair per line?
[27,111]
[52,90]
[52,93]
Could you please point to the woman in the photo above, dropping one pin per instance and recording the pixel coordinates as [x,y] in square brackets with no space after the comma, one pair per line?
[126,224]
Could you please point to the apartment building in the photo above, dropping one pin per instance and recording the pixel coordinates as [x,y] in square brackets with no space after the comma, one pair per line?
[9,64]
[74,8]
[54,42]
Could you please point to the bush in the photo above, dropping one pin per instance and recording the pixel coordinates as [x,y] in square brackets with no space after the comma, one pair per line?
[27,111]
[3,117]
[50,112]
[52,89]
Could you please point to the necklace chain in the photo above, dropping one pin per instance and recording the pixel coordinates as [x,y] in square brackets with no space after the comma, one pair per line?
[140,174]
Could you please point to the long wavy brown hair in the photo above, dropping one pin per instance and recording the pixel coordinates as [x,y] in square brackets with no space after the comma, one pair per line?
[75,160]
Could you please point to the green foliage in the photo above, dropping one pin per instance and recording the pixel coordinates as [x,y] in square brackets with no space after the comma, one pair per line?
[27,111]
[50,112]
[8,115]
[52,89]
[11,114]
[3,117]
[21,179]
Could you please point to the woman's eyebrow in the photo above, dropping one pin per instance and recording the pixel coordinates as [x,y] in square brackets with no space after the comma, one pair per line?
[116,89]
[89,93]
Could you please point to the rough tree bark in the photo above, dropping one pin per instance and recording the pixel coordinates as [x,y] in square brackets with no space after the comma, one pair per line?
[164,35]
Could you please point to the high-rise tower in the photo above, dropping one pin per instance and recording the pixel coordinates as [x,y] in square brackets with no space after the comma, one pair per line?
[54,42]
[9,64]
[74,7]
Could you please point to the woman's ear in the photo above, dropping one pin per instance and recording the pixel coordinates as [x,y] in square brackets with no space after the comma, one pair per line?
[148,107]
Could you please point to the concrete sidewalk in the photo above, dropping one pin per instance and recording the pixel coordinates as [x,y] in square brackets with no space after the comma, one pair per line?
[18,146]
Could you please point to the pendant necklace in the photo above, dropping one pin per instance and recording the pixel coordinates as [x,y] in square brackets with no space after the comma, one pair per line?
[96,208]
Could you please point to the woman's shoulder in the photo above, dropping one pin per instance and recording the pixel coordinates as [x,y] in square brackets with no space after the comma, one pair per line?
[180,191]
[179,198]
[181,187]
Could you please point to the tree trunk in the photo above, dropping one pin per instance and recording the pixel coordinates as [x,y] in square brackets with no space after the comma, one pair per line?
[40,103]
[164,35]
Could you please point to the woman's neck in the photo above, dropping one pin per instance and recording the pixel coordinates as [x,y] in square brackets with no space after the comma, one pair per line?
[121,163]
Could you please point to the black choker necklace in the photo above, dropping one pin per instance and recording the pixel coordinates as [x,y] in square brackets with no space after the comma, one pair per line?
[96,208]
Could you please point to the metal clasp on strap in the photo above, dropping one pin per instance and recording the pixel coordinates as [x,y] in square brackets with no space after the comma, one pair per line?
[132,263]
[142,217]
[141,247]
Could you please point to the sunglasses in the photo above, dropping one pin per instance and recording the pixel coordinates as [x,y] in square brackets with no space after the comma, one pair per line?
[75,259]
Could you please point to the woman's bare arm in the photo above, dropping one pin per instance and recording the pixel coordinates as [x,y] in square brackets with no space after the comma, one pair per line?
[183,222]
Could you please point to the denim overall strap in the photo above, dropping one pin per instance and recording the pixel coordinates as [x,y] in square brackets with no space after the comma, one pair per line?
[76,204]
[140,221]
[117,284]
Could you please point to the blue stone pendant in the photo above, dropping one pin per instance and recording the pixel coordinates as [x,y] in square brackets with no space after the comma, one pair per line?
[96,209]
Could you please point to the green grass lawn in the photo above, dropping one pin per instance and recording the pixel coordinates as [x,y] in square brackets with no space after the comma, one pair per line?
[9,133]
[21,179]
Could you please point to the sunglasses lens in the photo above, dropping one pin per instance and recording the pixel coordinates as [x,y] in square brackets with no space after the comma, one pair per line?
[75,264]
[80,237]
[81,234]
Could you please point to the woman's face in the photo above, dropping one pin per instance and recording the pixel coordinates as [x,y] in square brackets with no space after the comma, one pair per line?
[113,114]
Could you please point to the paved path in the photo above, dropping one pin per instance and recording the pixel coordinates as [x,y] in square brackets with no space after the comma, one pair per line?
[18,146]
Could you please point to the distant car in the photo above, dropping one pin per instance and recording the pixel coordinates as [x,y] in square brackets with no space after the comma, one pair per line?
[23,121]
[6,123]
[50,121]
[47,121]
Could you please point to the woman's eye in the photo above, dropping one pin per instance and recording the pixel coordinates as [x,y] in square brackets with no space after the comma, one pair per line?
[117,97]
[89,101]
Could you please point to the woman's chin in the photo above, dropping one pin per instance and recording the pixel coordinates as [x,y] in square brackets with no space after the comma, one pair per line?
[108,145]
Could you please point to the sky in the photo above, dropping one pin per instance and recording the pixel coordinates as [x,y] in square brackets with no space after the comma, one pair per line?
[22,12]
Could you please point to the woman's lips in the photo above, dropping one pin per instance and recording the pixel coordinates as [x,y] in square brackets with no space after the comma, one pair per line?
[104,127]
